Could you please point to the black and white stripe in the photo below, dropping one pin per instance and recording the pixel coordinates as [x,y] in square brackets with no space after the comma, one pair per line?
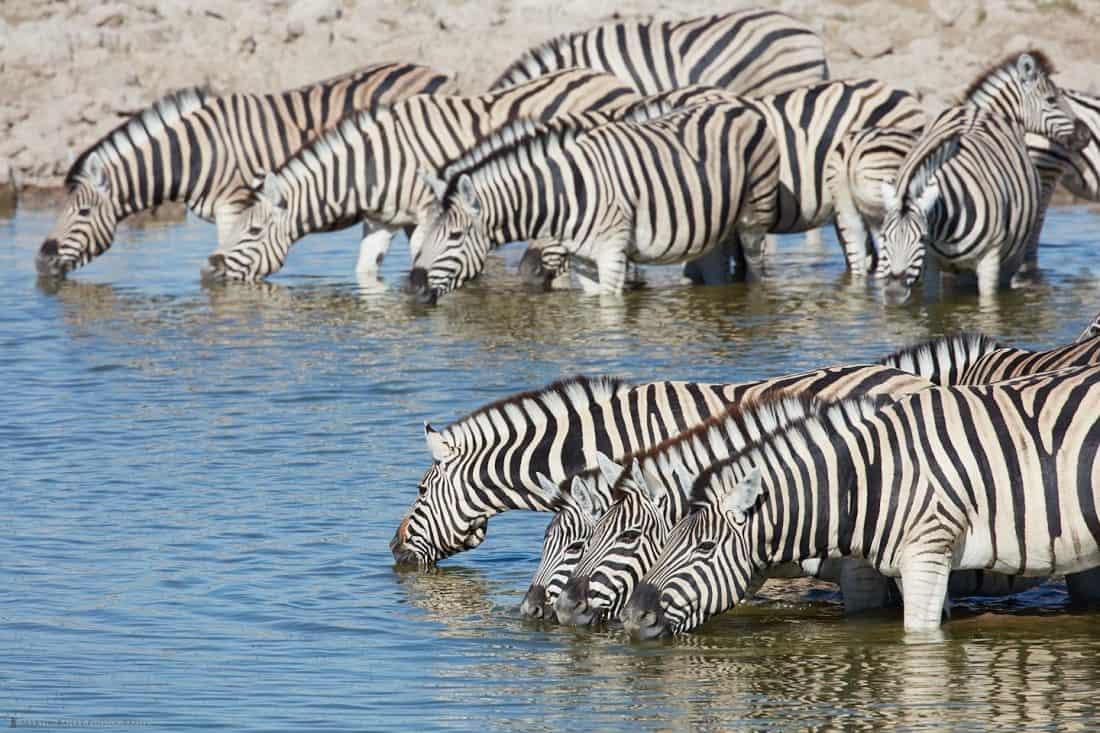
[488,462]
[998,477]
[370,165]
[555,570]
[205,151]
[969,190]
[597,191]
[977,359]
[750,52]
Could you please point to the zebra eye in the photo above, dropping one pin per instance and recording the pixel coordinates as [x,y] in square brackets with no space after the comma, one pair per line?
[255,231]
[705,549]
[454,235]
[422,489]
[577,546]
[85,212]
[630,535]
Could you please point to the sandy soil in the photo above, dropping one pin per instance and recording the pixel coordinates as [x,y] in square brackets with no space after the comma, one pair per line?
[69,70]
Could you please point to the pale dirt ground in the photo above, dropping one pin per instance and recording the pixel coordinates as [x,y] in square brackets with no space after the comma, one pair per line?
[68,70]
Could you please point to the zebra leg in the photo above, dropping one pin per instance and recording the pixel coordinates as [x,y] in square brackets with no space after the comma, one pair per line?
[989,275]
[814,238]
[924,575]
[1084,587]
[864,588]
[372,249]
[855,239]
[713,268]
[612,265]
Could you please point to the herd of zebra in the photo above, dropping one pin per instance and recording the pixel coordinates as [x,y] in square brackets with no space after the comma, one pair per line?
[957,467]
[633,142]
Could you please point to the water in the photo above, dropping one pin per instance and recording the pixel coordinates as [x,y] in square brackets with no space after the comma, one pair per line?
[200,484]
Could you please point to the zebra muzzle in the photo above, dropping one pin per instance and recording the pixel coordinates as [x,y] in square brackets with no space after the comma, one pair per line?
[572,606]
[535,603]
[48,263]
[417,286]
[896,292]
[643,617]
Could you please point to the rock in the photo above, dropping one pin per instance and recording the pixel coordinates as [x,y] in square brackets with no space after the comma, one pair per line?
[948,12]
[111,15]
[311,12]
[869,43]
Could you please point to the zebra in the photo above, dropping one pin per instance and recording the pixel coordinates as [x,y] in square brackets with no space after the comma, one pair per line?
[854,173]
[367,166]
[1091,331]
[556,566]
[808,124]
[487,462]
[996,477]
[205,151]
[575,514]
[750,52]
[595,190]
[969,187]
[973,359]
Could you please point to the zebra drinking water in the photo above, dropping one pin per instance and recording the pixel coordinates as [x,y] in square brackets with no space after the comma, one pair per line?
[969,189]
[488,462]
[597,190]
[205,151]
[998,477]
[366,167]
[554,571]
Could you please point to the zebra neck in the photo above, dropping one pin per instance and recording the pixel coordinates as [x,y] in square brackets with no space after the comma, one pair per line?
[1000,95]
[811,491]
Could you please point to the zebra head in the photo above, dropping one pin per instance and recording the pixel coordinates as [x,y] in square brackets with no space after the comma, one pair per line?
[563,543]
[450,245]
[86,226]
[260,238]
[711,560]
[624,544]
[906,228]
[1021,88]
[433,530]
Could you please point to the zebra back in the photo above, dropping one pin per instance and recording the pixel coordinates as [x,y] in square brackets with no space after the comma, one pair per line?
[750,52]
[944,360]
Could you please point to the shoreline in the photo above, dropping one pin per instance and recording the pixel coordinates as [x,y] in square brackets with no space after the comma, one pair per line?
[97,63]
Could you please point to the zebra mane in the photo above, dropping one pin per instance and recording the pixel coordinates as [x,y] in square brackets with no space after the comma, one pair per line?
[579,391]
[167,110]
[767,408]
[1007,65]
[795,432]
[925,358]
[545,54]
[516,135]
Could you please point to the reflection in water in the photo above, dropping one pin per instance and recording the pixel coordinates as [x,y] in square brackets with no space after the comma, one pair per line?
[237,457]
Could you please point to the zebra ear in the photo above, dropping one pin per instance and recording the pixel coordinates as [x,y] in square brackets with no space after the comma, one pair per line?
[469,194]
[579,491]
[609,469]
[649,489]
[272,191]
[927,198]
[1028,68]
[743,495]
[548,490]
[653,483]
[97,173]
[440,451]
[437,185]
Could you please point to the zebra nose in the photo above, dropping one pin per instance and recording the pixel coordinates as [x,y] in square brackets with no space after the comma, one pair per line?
[896,292]
[417,285]
[572,605]
[49,248]
[643,617]
[1081,136]
[534,602]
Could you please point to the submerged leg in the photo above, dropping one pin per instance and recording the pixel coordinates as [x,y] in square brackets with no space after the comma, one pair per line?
[924,574]
[372,249]
[864,588]
[1084,587]
[713,268]
[612,265]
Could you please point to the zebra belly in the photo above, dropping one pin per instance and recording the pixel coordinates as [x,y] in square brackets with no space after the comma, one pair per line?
[1041,554]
